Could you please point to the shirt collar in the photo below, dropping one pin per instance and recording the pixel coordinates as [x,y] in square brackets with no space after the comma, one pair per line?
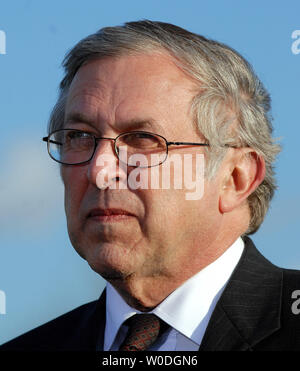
[186,307]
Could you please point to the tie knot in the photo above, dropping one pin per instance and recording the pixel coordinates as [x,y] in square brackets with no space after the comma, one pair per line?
[142,333]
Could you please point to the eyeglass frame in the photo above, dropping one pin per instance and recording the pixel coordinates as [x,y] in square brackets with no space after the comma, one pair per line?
[97,139]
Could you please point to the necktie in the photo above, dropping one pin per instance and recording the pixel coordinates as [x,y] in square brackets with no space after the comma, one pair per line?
[143,331]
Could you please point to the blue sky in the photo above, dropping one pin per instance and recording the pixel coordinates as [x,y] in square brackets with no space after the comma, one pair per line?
[40,274]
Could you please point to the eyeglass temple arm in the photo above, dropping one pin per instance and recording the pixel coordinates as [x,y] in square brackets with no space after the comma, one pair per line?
[46,139]
[197,144]
[187,143]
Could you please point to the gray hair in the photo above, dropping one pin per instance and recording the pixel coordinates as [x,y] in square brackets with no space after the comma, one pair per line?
[227,83]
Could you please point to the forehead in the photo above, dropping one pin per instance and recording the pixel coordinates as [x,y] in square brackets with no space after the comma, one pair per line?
[130,88]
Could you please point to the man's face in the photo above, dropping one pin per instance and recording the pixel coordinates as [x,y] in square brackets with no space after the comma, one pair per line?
[165,234]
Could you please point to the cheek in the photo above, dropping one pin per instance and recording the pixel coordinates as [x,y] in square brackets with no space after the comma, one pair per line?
[171,215]
[163,213]
[75,188]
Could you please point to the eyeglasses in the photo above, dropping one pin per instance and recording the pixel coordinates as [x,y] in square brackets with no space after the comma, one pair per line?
[135,148]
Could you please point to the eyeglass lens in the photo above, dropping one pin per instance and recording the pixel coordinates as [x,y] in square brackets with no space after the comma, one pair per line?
[134,149]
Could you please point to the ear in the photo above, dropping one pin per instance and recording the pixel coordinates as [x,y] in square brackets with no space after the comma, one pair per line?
[244,174]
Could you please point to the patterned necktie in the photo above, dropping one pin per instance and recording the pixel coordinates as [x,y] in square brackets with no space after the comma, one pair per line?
[142,333]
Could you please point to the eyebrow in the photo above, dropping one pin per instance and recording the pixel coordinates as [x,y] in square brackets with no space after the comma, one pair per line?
[138,124]
[78,118]
[135,124]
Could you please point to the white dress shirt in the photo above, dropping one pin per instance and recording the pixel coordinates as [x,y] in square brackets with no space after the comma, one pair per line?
[187,309]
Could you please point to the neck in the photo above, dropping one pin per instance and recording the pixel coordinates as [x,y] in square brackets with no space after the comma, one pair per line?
[145,293]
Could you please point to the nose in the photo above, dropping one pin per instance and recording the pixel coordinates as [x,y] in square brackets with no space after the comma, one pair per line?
[104,170]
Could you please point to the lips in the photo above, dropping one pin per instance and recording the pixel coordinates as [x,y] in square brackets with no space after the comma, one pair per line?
[108,212]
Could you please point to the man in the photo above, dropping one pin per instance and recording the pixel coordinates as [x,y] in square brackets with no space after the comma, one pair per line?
[133,97]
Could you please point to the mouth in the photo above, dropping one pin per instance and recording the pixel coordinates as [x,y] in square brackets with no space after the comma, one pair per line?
[109,215]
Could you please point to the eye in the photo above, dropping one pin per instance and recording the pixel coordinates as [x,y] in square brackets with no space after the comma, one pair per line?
[78,140]
[142,140]
[74,134]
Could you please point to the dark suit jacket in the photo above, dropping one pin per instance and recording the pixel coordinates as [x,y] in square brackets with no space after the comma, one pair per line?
[253,313]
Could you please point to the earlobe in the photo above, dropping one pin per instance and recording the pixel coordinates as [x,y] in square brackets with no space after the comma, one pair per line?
[227,197]
[246,175]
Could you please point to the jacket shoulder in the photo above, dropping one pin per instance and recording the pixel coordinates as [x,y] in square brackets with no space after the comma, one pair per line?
[62,333]
[291,275]
[288,336]
[291,295]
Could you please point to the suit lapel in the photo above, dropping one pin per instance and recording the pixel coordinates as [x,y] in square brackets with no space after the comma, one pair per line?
[249,308]
[92,326]
[100,321]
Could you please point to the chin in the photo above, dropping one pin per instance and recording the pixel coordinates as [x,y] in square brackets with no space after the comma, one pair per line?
[111,263]
[110,272]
